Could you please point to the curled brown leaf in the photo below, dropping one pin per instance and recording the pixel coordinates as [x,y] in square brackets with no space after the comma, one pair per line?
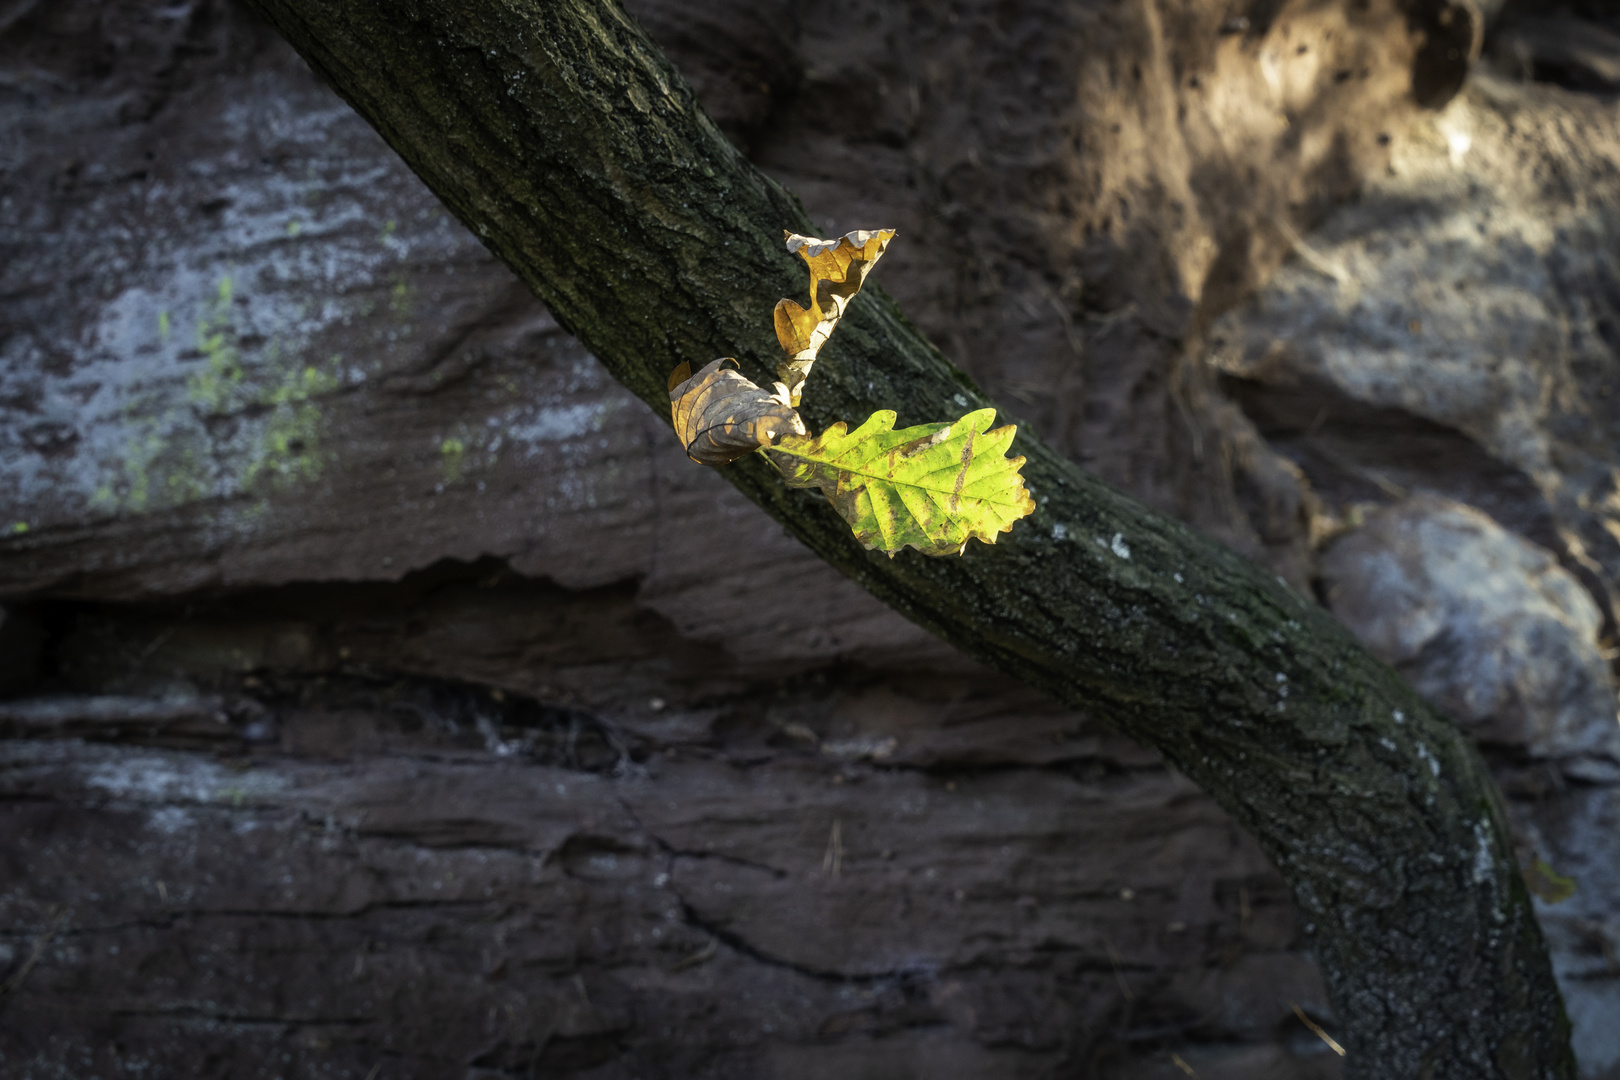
[837,269]
[721,416]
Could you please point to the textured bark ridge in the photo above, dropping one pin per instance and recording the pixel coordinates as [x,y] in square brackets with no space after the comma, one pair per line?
[565,141]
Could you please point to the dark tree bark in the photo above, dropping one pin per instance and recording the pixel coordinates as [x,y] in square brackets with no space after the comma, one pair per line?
[560,135]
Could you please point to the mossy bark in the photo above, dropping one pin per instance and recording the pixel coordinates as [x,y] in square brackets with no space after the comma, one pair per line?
[562,137]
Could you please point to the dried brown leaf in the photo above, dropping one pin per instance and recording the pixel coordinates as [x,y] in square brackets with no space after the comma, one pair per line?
[1548,883]
[837,269]
[721,416]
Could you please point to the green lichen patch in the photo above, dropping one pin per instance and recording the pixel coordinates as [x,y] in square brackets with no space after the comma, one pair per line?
[290,447]
[218,387]
[402,298]
[452,458]
[249,419]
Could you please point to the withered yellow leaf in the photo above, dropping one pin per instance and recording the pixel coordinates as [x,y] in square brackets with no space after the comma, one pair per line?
[933,487]
[837,269]
[1548,883]
[721,416]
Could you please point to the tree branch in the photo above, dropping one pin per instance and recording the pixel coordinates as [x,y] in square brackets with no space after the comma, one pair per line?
[564,139]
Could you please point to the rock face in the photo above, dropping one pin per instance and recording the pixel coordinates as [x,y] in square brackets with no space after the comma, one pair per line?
[286,823]
[281,338]
[384,694]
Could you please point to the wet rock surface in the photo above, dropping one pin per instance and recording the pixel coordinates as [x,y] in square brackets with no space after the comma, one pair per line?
[384,694]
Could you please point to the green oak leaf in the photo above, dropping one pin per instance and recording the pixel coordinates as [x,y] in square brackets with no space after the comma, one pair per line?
[933,487]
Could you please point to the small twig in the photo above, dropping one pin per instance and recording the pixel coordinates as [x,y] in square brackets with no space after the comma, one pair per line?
[1070,334]
[1385,484]
[1362,472]
[1119,977]
[1182,1065]
[702,956]
[41,942]
[1111,320]
[1316,424]
[156,644]
[1320,1034]
[833,862]
[1309,255]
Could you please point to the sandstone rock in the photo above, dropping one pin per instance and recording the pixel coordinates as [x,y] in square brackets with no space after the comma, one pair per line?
[400,665]
[397,665]
[341,841]
[278,358]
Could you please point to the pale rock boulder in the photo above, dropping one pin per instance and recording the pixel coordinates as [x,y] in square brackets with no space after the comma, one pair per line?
[1484,623]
